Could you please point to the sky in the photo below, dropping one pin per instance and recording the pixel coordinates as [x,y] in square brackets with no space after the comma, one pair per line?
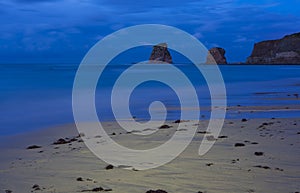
[62,31]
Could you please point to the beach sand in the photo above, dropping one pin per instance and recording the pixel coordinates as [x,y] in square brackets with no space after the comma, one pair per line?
[253,155]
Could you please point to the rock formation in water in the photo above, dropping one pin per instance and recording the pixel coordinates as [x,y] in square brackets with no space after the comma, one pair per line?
[216,55]
[282,51]
[161,54]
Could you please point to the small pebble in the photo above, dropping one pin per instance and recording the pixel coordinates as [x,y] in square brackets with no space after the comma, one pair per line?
[33,147]
[165,127]
[239,145]
[259,153]
[109,167]
[79,179]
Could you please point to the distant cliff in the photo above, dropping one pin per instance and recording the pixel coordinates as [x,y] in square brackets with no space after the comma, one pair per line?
[216,55]
[281,51]
[160,53]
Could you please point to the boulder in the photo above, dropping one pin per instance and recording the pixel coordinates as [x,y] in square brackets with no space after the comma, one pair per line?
[281,51]
[160,54]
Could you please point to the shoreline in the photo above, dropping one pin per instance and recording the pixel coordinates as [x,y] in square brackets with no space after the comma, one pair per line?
[235,112]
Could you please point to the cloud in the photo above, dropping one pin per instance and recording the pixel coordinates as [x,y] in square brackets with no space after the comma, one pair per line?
[75,24]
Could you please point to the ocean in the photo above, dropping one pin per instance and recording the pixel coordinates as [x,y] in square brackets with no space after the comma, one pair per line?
[40,95]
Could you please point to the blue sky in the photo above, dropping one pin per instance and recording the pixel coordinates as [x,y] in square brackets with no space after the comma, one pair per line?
[62,31]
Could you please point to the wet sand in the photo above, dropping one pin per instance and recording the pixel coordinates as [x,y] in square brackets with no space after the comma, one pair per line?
[250,155]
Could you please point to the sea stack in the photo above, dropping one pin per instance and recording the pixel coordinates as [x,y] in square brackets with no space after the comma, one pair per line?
[216,56]
[161,54]
[282,51]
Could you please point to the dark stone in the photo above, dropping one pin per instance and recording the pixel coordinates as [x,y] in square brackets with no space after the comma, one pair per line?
[216,56]
[244,120]
[264,167]
[109,167]
[156,191]
[177,121]
[279,169]
[209,164]
[165,127]
[203,132]
[222,137]
[98,189]
[60,141]
[36,187]
[161,54]
[239,145]
[259,153]
[34,147]
[79,179]
[8,191]
[67,140]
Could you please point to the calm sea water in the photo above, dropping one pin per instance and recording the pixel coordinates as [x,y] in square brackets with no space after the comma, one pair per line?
[40,96]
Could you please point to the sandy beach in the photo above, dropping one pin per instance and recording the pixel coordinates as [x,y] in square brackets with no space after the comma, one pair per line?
[194,96]
[250,155]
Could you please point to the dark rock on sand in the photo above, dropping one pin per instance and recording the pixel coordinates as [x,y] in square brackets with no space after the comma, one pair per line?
[177,121]
[98,189]
[223,137]
[79,179]
[33,147]
[60,142]
[203,132]
[161,54]
[156,191]
[65,141]
[8,191]
[244,120]
[235,160]
[216,55]
[279,169]
[264,167]
[36,187]
[239,145]
[165,127]
[109,167]
[281,51]
[259,153]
